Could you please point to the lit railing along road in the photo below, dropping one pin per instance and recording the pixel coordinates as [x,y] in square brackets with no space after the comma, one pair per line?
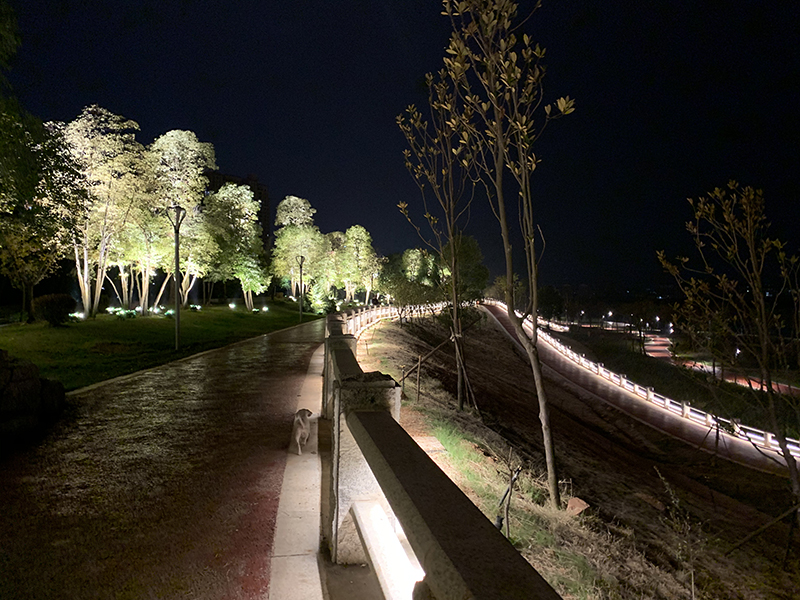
[762,439]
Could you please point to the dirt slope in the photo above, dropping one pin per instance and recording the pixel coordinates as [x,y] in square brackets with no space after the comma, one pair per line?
[613,462]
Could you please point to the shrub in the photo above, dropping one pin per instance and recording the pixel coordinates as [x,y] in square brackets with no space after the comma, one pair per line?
[54,308]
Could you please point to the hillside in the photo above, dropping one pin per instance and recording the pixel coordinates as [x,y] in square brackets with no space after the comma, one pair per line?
[644,533]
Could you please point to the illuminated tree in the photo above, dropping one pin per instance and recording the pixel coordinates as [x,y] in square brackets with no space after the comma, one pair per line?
[104,146]
[329,272]
[231,217]
[742,301]
[298,236]
[294,211]
[411,278]
[499,76]
[472,275]
[178,160]
[358,263]
[146,245]
[36,219]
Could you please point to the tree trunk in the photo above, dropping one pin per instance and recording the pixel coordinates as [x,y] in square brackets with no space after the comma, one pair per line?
[144,289]
[167,279]
[27,301]
[187,287]
[530,344]
[125,287]
[84,281]
[137,288]
[780,436]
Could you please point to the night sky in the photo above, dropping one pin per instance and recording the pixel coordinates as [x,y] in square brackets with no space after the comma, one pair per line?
[673,99]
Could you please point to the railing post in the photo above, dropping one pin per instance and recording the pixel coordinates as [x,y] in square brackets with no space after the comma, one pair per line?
[336,338]
[351,478]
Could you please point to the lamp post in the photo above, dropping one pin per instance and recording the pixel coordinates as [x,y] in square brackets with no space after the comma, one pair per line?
[300,261]
[180,214]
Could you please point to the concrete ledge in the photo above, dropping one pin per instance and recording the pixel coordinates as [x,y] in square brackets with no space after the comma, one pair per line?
[462,553]
[294,564]
[386,555]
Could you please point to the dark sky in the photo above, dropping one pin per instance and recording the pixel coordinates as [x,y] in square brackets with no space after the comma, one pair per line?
[673,99]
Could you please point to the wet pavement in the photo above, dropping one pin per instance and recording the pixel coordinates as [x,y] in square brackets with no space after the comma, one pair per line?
[164,484]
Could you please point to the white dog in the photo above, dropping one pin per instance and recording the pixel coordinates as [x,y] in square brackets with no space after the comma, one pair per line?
[302,427]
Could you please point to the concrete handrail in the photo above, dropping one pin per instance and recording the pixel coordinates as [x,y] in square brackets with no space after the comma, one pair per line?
[462,553]
[762,439]
[379,475]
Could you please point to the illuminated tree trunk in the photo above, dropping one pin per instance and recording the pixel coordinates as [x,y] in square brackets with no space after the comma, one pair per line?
[84,277]
[187,283]
[163,287]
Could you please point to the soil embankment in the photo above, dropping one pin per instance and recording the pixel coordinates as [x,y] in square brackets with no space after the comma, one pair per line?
[613,462]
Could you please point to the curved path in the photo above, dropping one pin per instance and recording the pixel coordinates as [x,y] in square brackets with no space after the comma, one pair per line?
[725,446]
[163,484]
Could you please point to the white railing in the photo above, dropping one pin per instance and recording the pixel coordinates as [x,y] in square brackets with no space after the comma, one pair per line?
[762,439]
[357,320]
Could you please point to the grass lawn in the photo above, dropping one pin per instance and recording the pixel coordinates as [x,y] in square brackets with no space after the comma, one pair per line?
[83,353]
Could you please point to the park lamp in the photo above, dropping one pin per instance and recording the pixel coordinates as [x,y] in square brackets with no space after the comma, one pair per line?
[300,260]
[180,215]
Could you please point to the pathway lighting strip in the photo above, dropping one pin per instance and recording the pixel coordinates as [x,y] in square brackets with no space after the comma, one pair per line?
[762,439]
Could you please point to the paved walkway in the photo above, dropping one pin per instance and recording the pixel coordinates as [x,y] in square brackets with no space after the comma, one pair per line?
[164,484]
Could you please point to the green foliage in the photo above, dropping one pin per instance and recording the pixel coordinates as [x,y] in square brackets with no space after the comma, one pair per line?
[299,240]
[89,187]
[321,301]
[358,261]
[54,308]
[294,211]
[40,195]
[473,275]
[177,161]
[411,278]
[231,219]
[104,146]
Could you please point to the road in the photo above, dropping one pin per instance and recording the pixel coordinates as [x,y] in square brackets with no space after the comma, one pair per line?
[164,484]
